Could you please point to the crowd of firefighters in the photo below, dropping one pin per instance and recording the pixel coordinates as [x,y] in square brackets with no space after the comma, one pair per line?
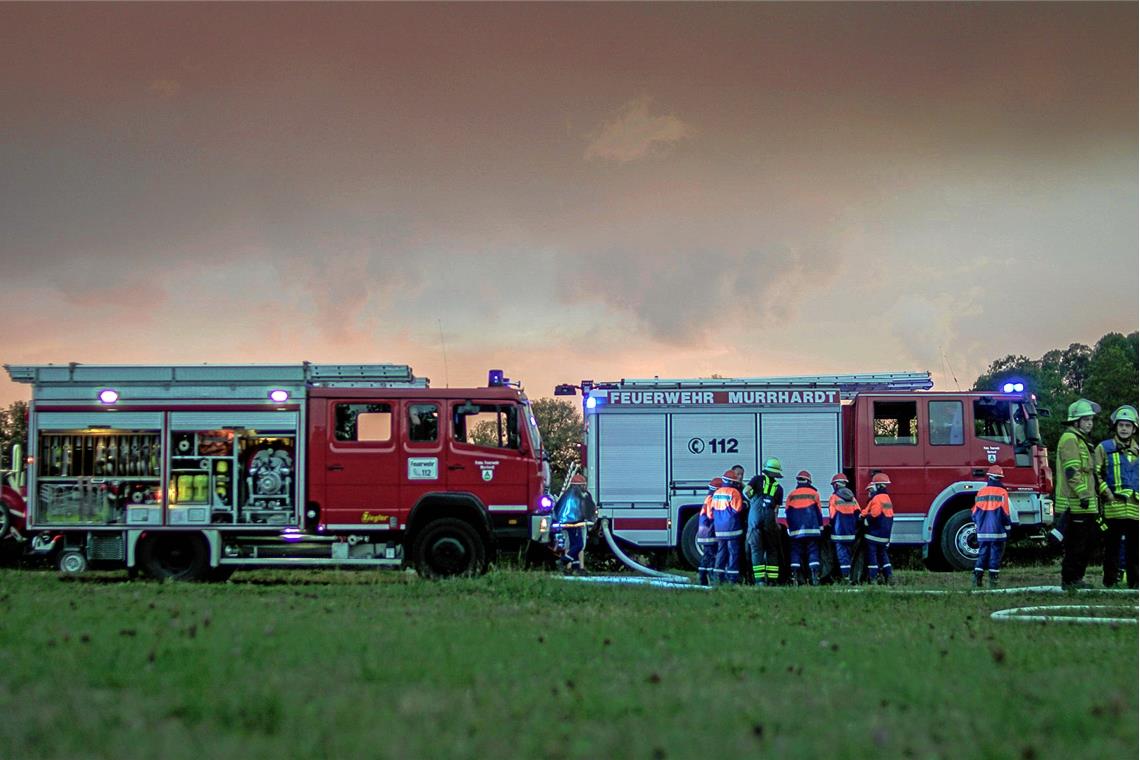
[1096,494]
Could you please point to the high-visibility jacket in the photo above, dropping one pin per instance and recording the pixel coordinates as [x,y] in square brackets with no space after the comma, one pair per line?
[991,513]
[880,516]
[764,491]
[803,513]
[1075,474]
[1115,463]
[844,517]
[575,508]
[706,534]
[726,505]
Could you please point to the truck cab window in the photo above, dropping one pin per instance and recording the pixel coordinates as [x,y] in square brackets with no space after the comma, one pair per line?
[488,425]
[896,423]
[992,421]
[364,422]
[423,422]
[946,423]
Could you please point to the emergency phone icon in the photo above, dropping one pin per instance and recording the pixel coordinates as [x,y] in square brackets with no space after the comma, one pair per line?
[696,446]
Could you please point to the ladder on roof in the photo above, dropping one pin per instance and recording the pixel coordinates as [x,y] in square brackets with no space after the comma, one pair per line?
[848,385]
[324,375]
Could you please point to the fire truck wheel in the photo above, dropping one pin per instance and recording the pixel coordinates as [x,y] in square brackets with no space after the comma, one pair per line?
[959,541]
[5,520]
[688,551]
[174,556]
[449,547]
[71,562]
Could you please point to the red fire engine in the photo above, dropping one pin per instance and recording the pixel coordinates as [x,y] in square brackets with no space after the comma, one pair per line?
[193,471]
[651,447]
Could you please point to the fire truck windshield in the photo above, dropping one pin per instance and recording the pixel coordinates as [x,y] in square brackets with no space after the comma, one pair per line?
[532,427]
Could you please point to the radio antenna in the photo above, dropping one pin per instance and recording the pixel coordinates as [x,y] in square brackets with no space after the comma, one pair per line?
[443,349]
[948,368]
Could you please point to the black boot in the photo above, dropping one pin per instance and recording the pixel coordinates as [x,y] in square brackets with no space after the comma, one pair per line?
[978,578]
[815,576]
[993,579]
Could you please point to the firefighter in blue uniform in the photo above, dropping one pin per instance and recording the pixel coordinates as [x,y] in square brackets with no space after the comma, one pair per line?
[991,518]
[727,504]
[706,536]
[573,515]
[804,515]
[879,516]
[765,495]
[843,508]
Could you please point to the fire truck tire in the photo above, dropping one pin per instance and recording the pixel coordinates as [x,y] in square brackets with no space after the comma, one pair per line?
[959,541]
[687,551]
[449,547]
[174,556]
[71,562]
[5,520]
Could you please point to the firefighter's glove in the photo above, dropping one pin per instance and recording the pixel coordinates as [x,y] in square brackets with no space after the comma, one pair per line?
[1084,503]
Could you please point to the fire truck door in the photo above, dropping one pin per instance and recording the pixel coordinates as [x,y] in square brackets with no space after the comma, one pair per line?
[896,448]
[362,464]
[485,454]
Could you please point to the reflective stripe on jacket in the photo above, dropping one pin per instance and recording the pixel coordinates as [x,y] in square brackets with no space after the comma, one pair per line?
[1074,474]
[803,513]
[726,505]
[1115,463]
[880,516]
[844,518]
[991,513]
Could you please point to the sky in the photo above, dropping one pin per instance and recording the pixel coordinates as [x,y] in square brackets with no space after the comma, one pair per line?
[567,192]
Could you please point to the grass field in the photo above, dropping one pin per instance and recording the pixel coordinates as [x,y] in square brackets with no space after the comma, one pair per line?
[514,664]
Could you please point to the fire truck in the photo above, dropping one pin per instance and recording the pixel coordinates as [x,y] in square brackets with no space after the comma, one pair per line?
[190,472]
[651,447]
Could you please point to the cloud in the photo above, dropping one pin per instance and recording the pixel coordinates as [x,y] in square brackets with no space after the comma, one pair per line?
[164,88]
[634,133]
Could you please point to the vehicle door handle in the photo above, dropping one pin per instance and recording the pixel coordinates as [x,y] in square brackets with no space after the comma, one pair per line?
[336,467]
[455,467]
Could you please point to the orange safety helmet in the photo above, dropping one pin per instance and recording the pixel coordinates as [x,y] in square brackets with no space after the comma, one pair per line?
[995,472]
[730,476]
[880,479]
[838,477]
[578,479]
[716,483]
[803,475]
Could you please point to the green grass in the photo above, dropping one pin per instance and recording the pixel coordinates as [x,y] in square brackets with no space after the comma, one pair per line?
[513,664]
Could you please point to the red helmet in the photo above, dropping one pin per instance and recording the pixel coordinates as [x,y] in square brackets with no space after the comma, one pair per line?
[838,477]
[803,475]
[995,472]
[880,479]
[578,479]
[730,476]
[716,483]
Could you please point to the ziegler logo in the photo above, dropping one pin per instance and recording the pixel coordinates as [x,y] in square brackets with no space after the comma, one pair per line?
[368,517]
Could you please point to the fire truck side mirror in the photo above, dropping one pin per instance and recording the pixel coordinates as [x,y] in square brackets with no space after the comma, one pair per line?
[565,390]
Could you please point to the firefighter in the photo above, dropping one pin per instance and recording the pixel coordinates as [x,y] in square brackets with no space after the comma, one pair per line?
[805,523]
[573,515]
[1075,493]
[726,503]
[843,509]
[1115,462]
[765,495]
[991,518]
[879,515]
[706,537]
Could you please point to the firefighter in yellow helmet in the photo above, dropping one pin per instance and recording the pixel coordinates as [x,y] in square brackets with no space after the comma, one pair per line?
[1115,461]
[1075,496]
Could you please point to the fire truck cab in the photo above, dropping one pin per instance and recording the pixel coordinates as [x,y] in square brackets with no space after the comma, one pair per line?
[190,472]
[651,447]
